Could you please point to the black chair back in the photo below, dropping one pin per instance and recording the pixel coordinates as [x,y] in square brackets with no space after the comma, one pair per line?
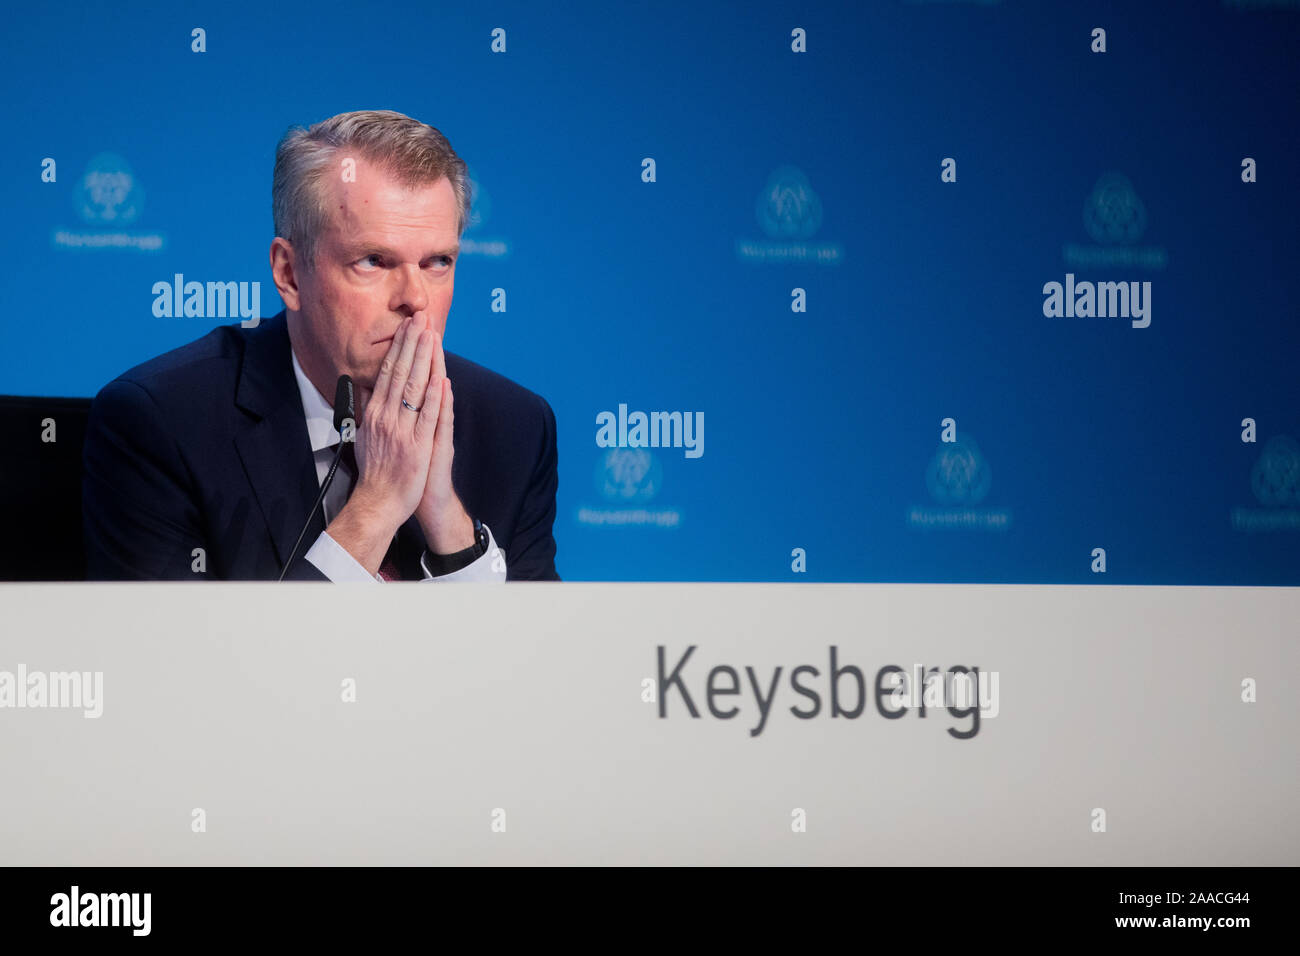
[40,488]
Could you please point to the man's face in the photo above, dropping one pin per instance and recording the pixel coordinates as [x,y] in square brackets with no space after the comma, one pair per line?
[388,252]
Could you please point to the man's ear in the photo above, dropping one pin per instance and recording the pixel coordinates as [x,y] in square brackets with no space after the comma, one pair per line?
[284,272]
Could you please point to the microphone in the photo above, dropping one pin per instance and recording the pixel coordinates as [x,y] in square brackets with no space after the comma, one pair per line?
[344,410]
[344,404]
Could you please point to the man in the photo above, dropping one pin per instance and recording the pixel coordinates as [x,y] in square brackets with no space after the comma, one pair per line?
[206,461]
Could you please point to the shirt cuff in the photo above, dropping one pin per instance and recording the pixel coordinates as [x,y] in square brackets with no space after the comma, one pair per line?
[334,561]
[490,566]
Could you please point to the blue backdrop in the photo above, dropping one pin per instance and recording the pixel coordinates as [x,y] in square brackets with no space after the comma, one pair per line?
[800,265]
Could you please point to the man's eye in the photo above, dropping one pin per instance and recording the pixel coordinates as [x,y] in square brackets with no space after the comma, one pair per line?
[374,259]
[441,260]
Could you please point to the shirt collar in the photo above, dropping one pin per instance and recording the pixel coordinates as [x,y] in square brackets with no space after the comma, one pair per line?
[320,414]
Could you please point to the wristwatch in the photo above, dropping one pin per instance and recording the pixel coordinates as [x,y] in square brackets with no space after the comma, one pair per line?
[440,564]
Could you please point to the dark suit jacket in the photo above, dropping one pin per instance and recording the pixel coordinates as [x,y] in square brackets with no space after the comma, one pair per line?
[206,447]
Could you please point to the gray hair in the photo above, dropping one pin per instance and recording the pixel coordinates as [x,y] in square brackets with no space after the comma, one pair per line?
[412,152]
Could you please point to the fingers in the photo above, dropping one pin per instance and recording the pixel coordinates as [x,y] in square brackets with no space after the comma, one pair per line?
[419,380]
[446,415]
[383,381]
[404,363]
[439,360]
[430,412]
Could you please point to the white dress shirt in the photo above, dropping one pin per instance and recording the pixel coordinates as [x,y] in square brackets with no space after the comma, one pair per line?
[330,557]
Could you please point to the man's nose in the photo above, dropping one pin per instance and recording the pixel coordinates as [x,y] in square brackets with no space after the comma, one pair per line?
[409,292]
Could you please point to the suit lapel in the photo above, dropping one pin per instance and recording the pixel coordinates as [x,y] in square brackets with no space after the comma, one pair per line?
[272,443]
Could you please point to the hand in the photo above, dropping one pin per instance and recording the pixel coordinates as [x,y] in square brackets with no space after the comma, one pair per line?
[446,525]
[394,446]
